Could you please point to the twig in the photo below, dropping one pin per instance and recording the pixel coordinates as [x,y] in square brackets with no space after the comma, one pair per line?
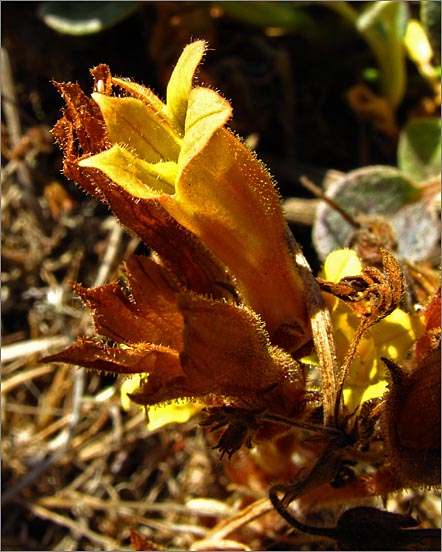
[64,439]
[10,100]
[322,330]
[165,525]
[31,410]
[219,532]
[17,380]
[299,210]
[14,128]
[95,503]
[107,262]
[31,347]
[39,511]
[316,190]
[39,469]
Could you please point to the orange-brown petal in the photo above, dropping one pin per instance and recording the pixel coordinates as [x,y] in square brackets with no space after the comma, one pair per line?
[429,340]
[227,351]
[227,198]
[150,314]
[137,359]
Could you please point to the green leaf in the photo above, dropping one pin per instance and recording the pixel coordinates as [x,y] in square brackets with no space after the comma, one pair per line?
[386,13]
[419,149]
[377,190]
[83,18]
[270,14]
[430,13]
[383,25]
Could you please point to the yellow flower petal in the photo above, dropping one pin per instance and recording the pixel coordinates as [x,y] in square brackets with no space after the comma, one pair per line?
[128,386]
[396,334]
[162,414]
[341,263]
[144,94]
[207,112]
[374,391]
[130,123]
[392,337]
[181,82]
[417,44]
[165,414]
[227,198]
[141,179]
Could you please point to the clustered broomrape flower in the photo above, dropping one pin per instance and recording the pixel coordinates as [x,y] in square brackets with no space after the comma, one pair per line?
[218,311]
[225,310]
[221,312]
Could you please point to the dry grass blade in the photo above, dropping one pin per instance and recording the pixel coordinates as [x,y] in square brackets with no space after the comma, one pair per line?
[216,538]
[14,127]
[322,331]
[27,375]
[101,540]
[32,347]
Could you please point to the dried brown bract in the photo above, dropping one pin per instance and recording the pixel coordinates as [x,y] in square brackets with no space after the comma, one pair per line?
[374,294]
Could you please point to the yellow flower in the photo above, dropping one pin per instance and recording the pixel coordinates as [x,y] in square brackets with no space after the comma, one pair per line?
[214,315]
[180,155]
[419,50]
[162,414]
[392,337]
[184,346]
